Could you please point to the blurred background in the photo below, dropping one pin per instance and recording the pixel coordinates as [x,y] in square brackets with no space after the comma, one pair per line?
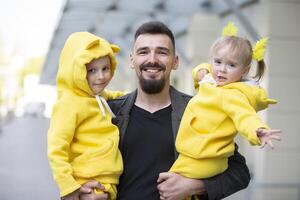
[32,34]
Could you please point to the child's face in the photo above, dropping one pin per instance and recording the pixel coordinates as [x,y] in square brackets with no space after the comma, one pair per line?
[98,74]
[226,67]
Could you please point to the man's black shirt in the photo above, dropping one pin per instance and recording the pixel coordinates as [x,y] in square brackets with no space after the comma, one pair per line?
[148,149]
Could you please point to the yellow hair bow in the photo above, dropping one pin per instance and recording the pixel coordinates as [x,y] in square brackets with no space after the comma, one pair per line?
[259,49]
[230,30]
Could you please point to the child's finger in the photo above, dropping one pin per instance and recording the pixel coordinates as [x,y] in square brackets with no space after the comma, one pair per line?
[270,144]
[275,131]
[276,137]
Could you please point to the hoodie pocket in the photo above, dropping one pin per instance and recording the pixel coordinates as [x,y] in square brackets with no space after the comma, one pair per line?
[195,136]
[104,160]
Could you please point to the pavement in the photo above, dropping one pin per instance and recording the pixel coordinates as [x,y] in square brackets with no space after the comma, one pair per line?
[24,170]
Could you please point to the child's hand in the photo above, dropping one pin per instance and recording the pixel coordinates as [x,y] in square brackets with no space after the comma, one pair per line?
[72,196]
[90,190]
[201,73]
[266,136]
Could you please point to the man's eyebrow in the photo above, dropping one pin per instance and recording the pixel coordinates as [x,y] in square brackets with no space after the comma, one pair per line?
[160,48]
[164,48]
[142,48]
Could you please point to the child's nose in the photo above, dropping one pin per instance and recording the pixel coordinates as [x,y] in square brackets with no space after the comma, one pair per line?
[223,68]
[100,75]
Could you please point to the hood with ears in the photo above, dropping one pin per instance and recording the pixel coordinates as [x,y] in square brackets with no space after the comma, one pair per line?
[256,95]
[80,49]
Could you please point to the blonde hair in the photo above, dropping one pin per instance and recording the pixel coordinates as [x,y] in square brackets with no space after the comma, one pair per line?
[240,48]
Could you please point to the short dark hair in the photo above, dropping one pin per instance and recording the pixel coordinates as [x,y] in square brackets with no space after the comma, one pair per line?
[154,27]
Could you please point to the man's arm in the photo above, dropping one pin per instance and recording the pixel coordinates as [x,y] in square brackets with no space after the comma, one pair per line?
[235,178]
[173,186]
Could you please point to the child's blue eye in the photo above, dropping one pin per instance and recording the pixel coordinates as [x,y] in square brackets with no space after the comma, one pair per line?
[106,69]
[217,61]
[91,70]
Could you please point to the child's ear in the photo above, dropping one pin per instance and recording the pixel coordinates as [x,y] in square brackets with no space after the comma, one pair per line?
[115,48]
[246,71]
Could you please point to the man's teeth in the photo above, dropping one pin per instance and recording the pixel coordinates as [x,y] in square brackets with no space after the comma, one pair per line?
[152,70]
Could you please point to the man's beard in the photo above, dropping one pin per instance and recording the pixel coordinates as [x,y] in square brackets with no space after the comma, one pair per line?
[151,86]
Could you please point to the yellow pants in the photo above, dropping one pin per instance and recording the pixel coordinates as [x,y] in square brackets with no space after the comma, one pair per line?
[195,197]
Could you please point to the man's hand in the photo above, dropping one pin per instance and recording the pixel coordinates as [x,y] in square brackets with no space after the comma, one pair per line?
[87,191]
[172,186]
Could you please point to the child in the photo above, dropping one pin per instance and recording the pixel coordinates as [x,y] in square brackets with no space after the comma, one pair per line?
[225,104]
[82,141]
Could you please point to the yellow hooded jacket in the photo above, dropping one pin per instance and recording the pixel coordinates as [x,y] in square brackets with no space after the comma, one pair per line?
[210,122]
[82,142]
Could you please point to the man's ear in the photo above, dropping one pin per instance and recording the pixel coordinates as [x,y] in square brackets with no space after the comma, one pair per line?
[131,60]
[176,62]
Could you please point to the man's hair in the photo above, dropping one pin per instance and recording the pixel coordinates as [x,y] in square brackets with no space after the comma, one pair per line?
[154,27]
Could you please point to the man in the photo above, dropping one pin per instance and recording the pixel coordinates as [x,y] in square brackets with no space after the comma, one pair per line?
[148,119]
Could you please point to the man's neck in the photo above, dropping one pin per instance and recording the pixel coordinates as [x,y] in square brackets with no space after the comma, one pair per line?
[153,102]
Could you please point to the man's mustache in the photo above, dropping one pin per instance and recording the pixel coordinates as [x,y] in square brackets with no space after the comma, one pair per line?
[153,66]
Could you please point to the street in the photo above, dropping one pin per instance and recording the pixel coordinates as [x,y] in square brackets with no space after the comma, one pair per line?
[24,170]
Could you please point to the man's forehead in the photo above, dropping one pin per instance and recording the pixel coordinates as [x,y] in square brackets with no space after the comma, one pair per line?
[153,41]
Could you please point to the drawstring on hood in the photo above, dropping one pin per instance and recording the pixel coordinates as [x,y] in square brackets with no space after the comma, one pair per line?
[101,101]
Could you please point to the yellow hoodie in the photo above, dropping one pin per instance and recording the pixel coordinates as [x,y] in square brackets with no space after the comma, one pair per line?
[210,122]
[82,141]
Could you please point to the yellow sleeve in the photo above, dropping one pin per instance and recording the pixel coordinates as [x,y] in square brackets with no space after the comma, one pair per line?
[108,94]
[243,115]
[60,135]
[195,71]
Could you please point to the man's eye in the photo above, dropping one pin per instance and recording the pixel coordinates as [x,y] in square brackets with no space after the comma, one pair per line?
[142,52]
[163,53]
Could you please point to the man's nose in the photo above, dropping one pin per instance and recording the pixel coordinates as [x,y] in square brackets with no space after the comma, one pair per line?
[152,57]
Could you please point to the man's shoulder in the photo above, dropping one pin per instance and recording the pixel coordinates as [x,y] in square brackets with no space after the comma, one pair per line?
[184,95]
[176,94]
[123,102]
[121,99]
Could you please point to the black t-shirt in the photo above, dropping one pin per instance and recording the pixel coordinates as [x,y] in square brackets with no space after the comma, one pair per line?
[147,150]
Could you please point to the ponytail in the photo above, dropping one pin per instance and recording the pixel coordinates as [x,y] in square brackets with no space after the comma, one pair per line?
[261,66]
